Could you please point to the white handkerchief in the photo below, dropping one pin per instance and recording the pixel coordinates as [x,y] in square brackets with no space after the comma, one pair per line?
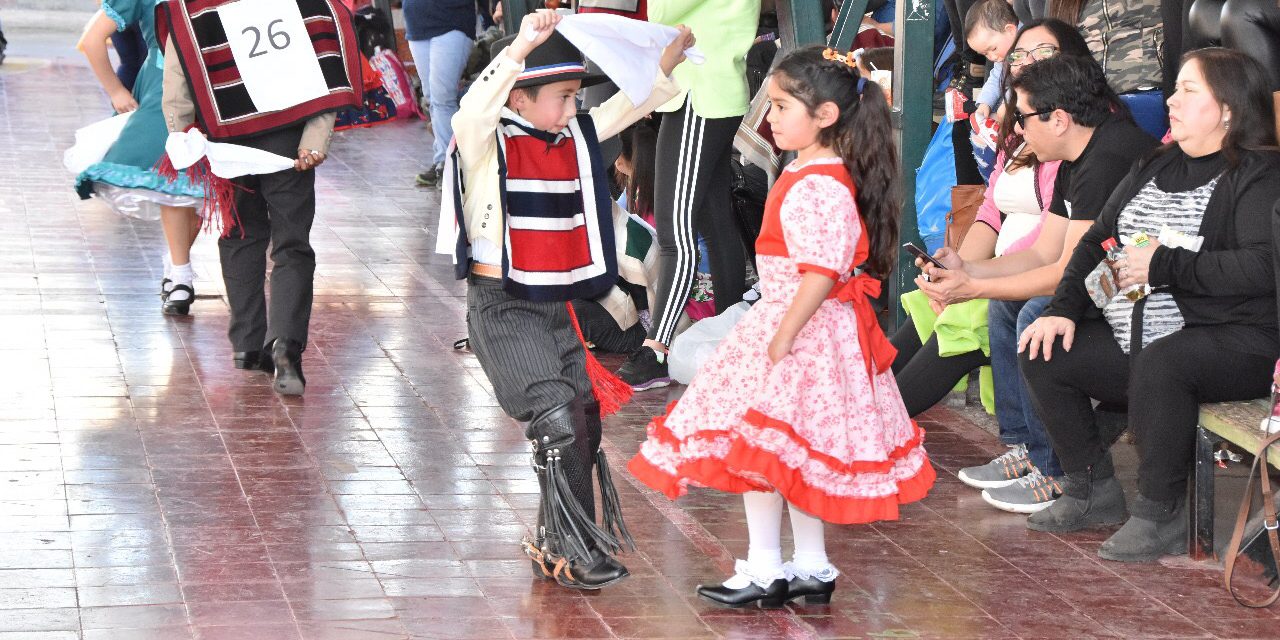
[626,50]
[93,142]
[225,160]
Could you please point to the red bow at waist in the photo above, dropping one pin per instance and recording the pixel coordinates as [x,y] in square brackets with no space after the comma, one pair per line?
[876,348]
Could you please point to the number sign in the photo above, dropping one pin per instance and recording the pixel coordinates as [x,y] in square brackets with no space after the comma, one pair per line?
[273,52]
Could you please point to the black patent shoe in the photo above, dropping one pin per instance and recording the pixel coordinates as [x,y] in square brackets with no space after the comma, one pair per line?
[286,356]
[815,591]
[252,361]
[772,597]
[172,307]
[164,289]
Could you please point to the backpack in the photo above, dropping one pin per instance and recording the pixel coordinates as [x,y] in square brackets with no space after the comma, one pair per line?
[395,79]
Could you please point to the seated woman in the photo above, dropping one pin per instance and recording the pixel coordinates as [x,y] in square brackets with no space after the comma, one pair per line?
[1016,284]
[1205,333]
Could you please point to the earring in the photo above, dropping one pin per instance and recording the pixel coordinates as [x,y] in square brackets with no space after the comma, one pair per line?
[1226,124]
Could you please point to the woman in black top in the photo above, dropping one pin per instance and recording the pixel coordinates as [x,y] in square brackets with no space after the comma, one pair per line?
[1207,332]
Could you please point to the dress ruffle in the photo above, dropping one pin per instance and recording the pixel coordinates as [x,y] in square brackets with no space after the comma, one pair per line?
[763,454]
[131,177]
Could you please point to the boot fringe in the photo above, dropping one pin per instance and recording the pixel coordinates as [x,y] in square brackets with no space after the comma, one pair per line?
[611,504]
[569,522]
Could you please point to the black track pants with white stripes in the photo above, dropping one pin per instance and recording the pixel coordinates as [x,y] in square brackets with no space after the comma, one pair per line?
[691,192]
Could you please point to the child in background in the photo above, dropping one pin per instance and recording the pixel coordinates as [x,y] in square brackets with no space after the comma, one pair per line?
[990,28]
[798,404]
[877,65]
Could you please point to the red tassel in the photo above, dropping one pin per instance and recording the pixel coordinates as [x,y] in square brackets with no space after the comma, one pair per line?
[219,211]
[610,391]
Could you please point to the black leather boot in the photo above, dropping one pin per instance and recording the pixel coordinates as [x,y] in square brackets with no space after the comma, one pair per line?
[575,550]
[286,356]
[1155,528]
[1090,498]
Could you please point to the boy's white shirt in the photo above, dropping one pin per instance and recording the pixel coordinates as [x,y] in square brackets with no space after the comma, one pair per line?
[475,128]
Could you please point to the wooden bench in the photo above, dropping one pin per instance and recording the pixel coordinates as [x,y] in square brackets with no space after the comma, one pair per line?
[1234,422]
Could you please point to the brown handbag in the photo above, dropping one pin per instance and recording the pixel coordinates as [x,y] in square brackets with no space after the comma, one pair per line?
[965,201]
[1269,523]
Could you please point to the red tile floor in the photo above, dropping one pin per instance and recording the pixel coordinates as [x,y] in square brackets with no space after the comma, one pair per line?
[149,491]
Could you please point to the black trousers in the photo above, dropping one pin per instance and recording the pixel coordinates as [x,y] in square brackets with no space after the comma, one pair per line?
[1163,384]
[529,350]
[924,377]
[276,212]
[600,329]
[692,188]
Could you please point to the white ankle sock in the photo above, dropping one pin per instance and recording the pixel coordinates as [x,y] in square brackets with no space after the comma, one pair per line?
[181,274]
[764,530]
[810,559]
[168,264]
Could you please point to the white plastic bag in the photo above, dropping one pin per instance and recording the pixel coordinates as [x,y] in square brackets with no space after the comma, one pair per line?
[693,347]
[93,142]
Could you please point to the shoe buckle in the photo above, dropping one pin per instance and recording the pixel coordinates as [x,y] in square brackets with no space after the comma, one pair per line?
[1270,526]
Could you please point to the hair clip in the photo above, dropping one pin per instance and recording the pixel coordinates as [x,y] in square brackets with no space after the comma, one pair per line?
[846,58]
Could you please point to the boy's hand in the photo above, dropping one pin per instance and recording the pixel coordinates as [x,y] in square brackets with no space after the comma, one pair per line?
[673,55]
[535,29]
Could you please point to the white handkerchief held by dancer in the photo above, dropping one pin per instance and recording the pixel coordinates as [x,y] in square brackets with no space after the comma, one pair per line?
[226,160]
[273,52]
[626,50]
[93,141]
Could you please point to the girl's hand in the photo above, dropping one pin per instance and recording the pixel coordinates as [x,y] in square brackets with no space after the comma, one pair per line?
[673,55]
[779,347]
[122,101]
[1136,266]
[1041,334]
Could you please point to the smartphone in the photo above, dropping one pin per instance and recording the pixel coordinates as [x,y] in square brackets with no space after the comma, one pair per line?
[919,253]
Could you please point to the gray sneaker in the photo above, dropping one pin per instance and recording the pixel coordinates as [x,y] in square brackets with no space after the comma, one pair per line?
[1003,471]
[1028,494]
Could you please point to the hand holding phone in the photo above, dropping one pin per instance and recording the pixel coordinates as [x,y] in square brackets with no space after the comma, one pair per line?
[920,253]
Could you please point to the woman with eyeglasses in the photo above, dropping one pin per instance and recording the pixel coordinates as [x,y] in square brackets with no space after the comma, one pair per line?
[1206,332]
[1016,284]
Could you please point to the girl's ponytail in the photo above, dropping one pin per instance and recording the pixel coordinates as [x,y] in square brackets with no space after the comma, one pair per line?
[862,137]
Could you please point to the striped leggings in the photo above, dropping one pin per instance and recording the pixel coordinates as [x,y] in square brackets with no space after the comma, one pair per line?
[691,189]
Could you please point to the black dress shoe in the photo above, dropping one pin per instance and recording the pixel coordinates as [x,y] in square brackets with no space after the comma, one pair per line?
[172,307]
[814,590]
[286,355]
[252,361]
[164,289]
[772,598]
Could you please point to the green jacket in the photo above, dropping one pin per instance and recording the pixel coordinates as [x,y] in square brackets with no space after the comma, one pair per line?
[725,30]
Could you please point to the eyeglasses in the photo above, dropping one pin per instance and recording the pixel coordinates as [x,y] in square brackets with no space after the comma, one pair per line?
[1021,118]
[1019,57]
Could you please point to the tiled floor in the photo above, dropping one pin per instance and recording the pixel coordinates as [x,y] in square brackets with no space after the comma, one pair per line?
[149,491]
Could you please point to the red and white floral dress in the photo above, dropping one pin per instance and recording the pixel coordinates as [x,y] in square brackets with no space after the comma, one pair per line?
[825,426]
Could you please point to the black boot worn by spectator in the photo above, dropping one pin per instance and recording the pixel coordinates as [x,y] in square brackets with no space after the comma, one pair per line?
[1155,528]
[1090,498]
[286,355]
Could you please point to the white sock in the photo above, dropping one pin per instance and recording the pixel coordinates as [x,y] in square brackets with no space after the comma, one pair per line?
[810,559]
[181,274]
[168,264]
[662,357]
[764,531]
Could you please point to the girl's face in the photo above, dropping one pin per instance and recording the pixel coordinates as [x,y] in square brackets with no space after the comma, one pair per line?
[1194,112]
[1036,44]
[622,166]
[793,127]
